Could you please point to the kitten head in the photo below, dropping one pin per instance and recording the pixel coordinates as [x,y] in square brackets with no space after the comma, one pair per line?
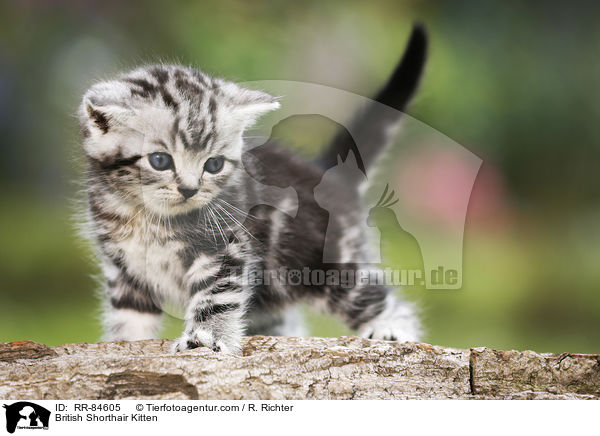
[167,138]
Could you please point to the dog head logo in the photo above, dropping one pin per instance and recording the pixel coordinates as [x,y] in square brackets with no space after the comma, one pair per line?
[26,415]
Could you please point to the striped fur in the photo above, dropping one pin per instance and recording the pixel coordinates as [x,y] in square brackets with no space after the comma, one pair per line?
[181,236]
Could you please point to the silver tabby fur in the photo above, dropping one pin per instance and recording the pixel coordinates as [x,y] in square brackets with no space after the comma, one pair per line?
[160,249]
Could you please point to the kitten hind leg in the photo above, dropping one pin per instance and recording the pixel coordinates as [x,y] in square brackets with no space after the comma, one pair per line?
[375,313]
[396,322]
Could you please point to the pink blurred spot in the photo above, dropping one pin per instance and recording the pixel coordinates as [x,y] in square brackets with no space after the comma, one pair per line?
[433,185]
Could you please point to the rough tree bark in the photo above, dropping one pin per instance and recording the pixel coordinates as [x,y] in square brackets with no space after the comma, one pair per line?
[292,368]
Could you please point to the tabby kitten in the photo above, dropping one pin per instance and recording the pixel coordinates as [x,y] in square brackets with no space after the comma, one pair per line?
[168,186]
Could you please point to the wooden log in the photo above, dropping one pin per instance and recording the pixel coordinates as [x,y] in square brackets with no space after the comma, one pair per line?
[292,368]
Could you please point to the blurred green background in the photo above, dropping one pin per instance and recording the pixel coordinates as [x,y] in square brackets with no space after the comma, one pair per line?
[514,82]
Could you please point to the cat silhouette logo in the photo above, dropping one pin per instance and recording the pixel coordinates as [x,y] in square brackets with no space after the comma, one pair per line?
[26,415]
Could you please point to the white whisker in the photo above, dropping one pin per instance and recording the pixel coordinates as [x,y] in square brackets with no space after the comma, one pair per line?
[236,209]
[217,224]
[236,221]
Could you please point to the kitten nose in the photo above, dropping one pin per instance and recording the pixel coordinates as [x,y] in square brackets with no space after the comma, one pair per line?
[187,192]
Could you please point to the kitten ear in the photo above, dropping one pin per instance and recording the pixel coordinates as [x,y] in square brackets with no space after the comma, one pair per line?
[97,119]
[98,122]
[93,118]
[248,105]
[254,111]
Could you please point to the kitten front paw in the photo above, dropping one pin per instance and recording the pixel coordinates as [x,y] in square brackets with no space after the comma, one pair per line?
[200,337]
[194,339]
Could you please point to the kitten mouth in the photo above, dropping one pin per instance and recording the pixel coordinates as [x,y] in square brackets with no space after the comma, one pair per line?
[185,202]
[182,203]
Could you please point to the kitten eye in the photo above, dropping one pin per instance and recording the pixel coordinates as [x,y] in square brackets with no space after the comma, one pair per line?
[160,161]
[214,165]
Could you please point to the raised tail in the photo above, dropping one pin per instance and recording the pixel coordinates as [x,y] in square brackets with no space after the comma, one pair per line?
[372,124]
